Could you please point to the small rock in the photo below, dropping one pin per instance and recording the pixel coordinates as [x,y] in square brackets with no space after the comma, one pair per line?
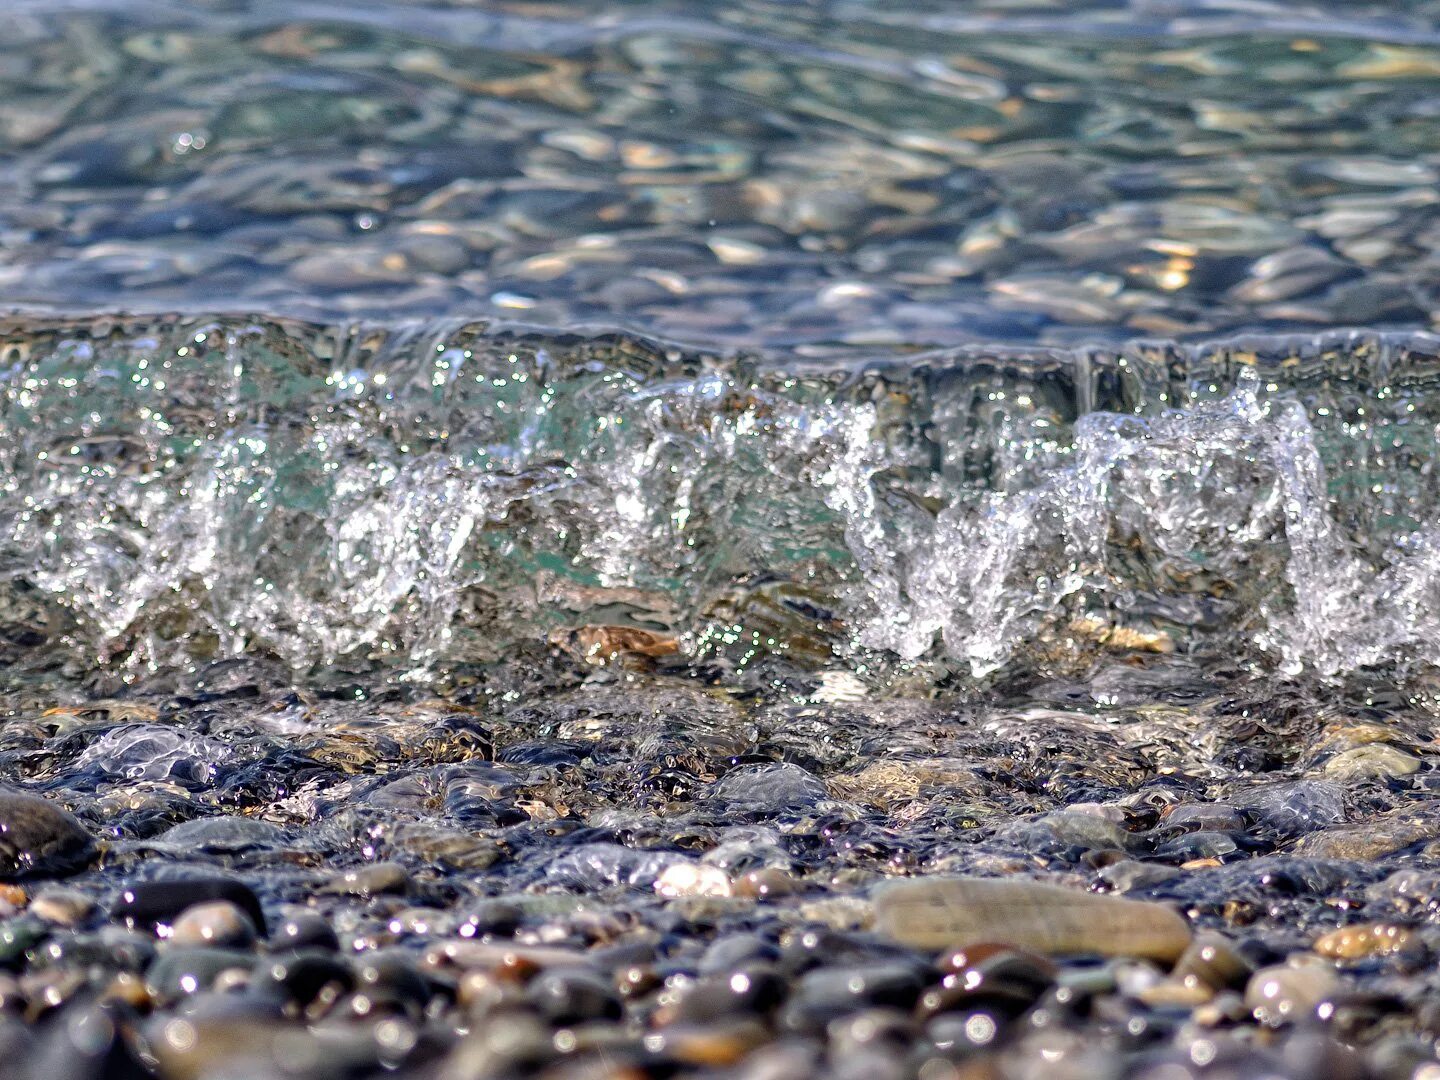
[1211,960]
[1373,760]
[1287,993]
[1128,875]
[217,923]
[374,879]
[63,907]
[766,883]
[39,838]
[178,972]
[693,879]
[573,996]
[304,930]
[1366,939]
[937,913]
[712,1045]
[155,903]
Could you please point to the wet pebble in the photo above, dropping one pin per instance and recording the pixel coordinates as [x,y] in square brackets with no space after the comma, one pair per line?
[954,912]
[180,970]
[39,838]
[570,996]
[304,930]
[64,907]
[217,923]
[151,903]
[1290,993]
[1365,939]
[374,879]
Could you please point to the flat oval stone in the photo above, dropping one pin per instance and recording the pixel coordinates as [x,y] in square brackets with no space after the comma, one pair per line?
[39,839]
[1366,939]
[950,913]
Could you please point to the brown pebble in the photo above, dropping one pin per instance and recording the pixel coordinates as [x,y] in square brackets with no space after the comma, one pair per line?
[1366,939]
[1211,961]
[939,913]
[713,1045]
[64,907]
[129,988]
[215,922]
[766,883]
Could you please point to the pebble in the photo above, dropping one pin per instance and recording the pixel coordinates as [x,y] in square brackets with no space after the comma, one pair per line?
[570,996]
[151,903]
[374,879]
[304,930]
[715,1044]
[39,838]
[1372,760]
[180,971]
[767,883]
[937,913]
[1287,993]
[1211,960]
[214,922]
[1365,939]
[64,907]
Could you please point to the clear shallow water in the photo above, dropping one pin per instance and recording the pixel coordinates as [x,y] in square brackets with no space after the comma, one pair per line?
[829,177]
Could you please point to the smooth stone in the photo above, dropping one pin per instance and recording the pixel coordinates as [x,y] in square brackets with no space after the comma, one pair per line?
[223,834]
[948,913]
[154,903]
[716,1044]
[304,930]
[302,977]
[1372,760]
[768,788]
[734,951]
[844,989]
[39,838]
[1366,939]
[375,879]
[1287,993]
[1128,875]
[995,978]
[765,883]
[753,989]
[1384,835]
[64,907]
[215,922]
[1211,960]
[180,971]
[389,980]
[573,996]
[235,1035]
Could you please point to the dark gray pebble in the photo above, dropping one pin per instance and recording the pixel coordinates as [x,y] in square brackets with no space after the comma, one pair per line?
[39,839]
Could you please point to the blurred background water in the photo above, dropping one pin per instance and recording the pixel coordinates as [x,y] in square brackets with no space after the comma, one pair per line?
[815,177]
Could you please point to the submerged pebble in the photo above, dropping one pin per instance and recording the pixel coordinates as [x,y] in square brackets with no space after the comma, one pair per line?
[955,912]
[39,839]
